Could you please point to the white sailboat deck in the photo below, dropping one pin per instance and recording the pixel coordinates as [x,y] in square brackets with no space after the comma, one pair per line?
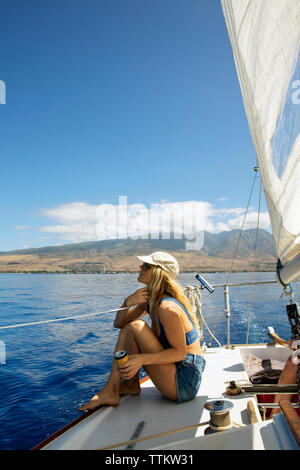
[110,426]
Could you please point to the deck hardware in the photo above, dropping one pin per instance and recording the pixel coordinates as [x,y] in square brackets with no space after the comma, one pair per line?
[136,434]
[275,338]
[219,411]
[204,283]
[276,405]
[227,313]
[269,389]
[294,319]
[233,389]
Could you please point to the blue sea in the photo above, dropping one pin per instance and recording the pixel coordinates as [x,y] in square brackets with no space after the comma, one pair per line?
[51,369]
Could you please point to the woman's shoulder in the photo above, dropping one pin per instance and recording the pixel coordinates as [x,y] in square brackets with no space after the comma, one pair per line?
[170,302]
[168,305]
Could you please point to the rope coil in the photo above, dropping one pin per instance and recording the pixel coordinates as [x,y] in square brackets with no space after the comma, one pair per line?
[193,293]
[194,296]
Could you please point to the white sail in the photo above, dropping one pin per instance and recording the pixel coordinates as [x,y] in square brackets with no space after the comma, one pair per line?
[265,38]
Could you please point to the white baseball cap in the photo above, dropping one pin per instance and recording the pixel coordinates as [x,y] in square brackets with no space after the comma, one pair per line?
[166,261]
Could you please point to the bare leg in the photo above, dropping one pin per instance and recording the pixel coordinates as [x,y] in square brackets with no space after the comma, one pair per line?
[109,395]
[132,386]
[288,376]
[163,376]
[136,337]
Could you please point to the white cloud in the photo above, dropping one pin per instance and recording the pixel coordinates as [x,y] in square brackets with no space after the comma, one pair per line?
[79,221]
[73,212]
[237,221]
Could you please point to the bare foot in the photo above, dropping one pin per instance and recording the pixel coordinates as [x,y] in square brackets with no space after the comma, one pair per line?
[104,397]
[130,387]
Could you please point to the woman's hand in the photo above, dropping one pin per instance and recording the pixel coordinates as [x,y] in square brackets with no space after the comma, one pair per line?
[290,343]
[130,368]
[138,297]
[126,315]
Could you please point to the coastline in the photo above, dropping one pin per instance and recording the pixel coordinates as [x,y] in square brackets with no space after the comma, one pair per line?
[119,256]
[136,272]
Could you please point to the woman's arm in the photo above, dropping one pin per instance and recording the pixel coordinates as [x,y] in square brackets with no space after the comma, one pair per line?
[170,318]
[139,300]
[171,321]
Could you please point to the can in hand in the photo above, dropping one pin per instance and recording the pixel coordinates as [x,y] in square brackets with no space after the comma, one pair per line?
[121,357]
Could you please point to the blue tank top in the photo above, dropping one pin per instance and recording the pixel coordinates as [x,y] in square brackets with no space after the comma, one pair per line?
[190,337]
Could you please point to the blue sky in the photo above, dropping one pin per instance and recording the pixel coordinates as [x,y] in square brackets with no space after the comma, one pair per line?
[117,98]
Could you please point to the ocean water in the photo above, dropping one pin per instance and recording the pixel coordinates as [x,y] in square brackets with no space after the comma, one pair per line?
[53,368]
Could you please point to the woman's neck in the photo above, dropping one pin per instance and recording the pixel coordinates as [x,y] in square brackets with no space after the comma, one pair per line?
[160,298]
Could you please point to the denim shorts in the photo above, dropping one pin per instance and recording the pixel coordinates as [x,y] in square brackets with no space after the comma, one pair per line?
[188,377]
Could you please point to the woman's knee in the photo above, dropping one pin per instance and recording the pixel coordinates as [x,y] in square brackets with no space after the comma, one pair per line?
[133,327]
[136,326]
[124,329]
[289,373]
[290,367]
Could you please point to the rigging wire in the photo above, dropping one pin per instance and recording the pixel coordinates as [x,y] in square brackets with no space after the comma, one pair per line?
[193,296]
[243,224]
[254,259]
[236,249]
[61,319]
[297,288]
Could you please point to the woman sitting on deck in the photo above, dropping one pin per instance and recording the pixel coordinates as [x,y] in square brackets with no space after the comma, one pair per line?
[169,351]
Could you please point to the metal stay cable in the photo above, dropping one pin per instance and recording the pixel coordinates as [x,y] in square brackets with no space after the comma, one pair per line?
[254,259]
[62,319]
[237,246]
[242,228]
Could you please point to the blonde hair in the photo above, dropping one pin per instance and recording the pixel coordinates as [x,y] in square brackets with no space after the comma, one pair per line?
[161,283]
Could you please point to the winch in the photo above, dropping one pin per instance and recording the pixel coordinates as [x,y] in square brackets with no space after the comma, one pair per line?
[219,416]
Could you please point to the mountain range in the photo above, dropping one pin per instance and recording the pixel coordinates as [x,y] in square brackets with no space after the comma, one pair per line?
[120,255]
